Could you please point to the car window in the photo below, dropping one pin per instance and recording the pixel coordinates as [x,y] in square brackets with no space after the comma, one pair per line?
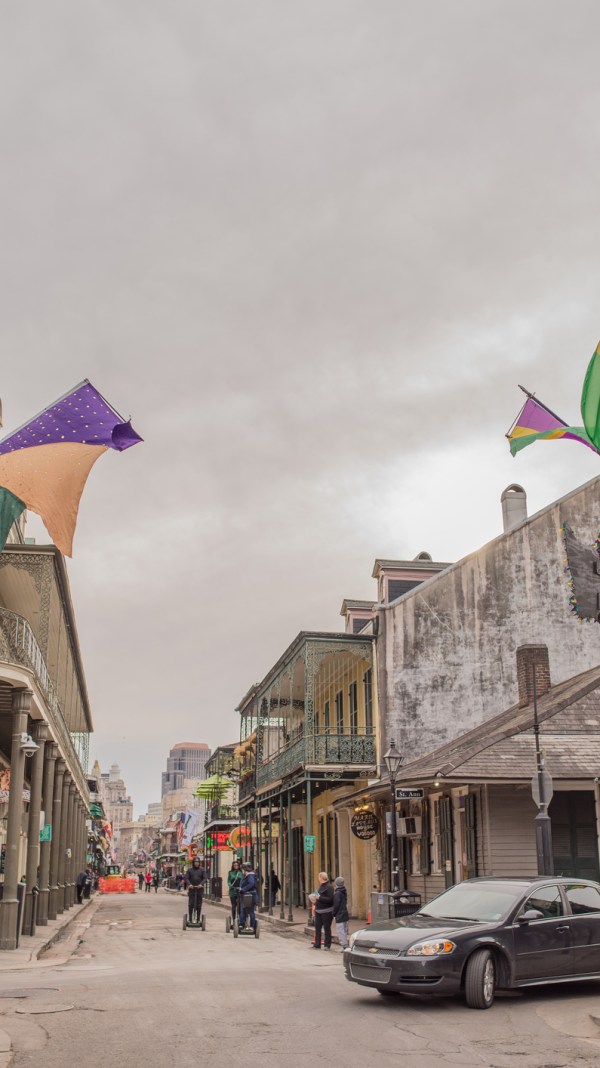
[583,898]
[546,900]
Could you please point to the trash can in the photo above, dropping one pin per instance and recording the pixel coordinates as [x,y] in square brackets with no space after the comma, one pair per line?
[406,903]
[382,907]
[394,906]
[216,888]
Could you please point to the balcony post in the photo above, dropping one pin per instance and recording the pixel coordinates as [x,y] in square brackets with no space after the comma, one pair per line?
[290,865]
[270,856]
[59,774]
[40,735]
[9,906]
[309,856]
[69,848]
[62,851]
[282,878]
[50,755]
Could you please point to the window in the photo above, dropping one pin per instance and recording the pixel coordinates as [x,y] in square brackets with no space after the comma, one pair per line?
[353,706]
[583,899]
[339,712]
[547,900]
[326,721]
[368,695]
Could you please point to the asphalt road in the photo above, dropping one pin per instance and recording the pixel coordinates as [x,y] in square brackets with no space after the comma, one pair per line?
[132,988]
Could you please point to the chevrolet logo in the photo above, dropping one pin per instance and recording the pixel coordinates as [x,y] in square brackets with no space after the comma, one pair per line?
[373,949]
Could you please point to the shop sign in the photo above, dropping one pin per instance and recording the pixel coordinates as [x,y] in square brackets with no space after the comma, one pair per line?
[239,836]
[217,840]
[364,825]
[46,833]
[409,795]
[309,843]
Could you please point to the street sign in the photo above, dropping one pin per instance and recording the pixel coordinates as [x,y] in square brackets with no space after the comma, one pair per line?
[547,786]
[309,843]
[405,795]
[46,833]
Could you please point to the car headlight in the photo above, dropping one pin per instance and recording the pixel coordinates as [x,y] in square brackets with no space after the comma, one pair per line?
[431,949]
[353,938]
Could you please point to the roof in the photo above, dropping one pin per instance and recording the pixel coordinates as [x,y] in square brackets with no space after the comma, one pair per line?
[191,745]
[361,606]
[408,565]
[503,748]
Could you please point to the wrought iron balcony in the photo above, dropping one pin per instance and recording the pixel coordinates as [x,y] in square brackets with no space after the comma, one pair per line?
[18,646]
[319,750]
[246,788]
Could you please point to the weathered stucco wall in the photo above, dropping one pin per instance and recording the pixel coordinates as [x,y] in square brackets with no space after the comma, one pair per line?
[447,649]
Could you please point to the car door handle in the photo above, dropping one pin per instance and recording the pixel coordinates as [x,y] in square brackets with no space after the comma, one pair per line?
[565,927]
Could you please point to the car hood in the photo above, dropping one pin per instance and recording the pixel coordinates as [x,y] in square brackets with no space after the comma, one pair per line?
[396,934]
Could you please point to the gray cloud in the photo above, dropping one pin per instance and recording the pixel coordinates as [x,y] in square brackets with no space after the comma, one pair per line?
[311,251]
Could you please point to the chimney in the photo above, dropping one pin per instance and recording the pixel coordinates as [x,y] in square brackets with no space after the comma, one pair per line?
[514,507]
[532,658]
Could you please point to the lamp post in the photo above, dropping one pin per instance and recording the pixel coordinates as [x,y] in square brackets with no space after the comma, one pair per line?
[393,763]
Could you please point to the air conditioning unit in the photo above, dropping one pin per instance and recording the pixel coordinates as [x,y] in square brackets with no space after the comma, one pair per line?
[409,826]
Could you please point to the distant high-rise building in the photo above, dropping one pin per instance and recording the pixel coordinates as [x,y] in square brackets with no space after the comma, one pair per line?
[187,760]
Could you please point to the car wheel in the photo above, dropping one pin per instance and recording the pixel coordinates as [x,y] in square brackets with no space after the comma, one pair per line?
[480,980]
[228,925]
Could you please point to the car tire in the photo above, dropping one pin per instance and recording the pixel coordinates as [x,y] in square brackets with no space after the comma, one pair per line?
[480,980]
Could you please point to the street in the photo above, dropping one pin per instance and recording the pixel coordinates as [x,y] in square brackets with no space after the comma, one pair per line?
[130,986]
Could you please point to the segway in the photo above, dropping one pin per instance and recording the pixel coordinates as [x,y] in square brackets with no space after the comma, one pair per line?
[230,920]
[198,922]
[247,901]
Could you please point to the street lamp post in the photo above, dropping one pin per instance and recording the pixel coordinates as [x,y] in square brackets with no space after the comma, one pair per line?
[543,825]
[393,763]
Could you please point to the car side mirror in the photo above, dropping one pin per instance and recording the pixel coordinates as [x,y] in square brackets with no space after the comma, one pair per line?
[530,914]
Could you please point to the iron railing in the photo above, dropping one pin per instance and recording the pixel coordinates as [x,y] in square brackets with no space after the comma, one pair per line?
[318,749]
[24,650]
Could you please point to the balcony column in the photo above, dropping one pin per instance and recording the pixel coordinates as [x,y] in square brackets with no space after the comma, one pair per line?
[69,846]
[40,734]
[309,856]
[50,755]
[78,860]
[21,703]
[62,849]
[59,775]
[290,860]
[282,879]
[270,856]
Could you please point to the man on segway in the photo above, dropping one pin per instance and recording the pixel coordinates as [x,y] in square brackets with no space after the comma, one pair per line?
[249,885]
[194,880]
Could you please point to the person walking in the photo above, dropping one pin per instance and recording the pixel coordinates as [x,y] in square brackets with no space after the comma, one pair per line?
[82,880]
[155,880]
[275,887]
[234,881]
[141,880]
[340,911]
[323,912]
[148,881]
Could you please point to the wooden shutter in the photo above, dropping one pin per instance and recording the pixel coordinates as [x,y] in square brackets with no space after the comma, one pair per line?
[471,835]
[425,848]
[446,840]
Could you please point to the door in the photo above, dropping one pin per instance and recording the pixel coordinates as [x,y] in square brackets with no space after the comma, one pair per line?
[574,834]
[543,946]
[446,839]
[584,902]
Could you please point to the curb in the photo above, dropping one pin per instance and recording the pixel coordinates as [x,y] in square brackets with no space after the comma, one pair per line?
[58,933]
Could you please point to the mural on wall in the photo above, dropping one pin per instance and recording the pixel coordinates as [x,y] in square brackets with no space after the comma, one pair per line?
[582,567]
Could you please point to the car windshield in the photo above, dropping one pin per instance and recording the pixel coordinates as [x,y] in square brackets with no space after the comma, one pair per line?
[474,901]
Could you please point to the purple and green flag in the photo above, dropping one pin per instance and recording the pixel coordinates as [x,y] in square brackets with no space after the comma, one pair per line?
[44,464]
[535,422]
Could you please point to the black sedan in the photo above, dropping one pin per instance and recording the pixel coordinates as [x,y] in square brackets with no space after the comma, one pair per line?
[481,936]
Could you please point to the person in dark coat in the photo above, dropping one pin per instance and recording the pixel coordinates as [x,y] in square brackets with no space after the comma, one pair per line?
[340,911]
[194,880]
[234,881]
[323,912]
[249,885]
[82,880]
[275,886]
[141,880]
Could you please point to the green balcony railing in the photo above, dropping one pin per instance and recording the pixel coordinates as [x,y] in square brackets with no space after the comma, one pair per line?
[316,750]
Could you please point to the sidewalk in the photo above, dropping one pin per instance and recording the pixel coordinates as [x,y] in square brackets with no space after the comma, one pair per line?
[31,947]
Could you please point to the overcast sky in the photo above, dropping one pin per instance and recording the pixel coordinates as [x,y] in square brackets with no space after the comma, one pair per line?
[311,249]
